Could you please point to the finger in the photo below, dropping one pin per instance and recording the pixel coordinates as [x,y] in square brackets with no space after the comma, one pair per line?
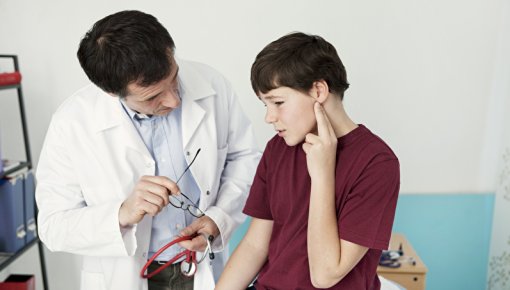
[324,127]
[161,186]
[191,229]
[149,208]
[154,199]
[163,181]
[154,192]
[198,243]
[312,139]
[306,147]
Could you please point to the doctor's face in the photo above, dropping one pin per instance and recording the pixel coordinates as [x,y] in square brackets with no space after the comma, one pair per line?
[157,99]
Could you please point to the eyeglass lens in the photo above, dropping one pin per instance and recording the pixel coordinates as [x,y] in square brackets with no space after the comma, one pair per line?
[193,209]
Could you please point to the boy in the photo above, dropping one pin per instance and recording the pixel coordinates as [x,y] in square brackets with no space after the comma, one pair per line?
[324,196]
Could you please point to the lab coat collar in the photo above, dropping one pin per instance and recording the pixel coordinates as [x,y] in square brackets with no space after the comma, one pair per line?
[194,87]
[108,111]
[110,116]
[192,84]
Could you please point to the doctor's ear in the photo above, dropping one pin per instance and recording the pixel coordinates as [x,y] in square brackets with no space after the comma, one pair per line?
[320,91]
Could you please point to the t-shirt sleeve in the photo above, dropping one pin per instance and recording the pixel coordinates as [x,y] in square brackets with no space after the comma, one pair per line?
[367,217]
[257,204]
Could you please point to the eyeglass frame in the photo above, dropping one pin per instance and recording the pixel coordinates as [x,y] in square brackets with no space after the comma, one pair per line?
[192,204]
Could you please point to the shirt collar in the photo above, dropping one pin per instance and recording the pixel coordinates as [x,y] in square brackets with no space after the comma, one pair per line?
[132,114]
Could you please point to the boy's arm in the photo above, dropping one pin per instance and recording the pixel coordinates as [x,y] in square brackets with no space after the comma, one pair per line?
[248,257]
[330,258]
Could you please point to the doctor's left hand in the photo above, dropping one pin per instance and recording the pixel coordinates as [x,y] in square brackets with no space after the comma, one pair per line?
[203,225]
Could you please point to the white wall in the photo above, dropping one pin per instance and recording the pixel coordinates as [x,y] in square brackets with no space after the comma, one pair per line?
[421,72]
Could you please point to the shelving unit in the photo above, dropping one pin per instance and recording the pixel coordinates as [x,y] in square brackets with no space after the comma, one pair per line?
[7,259]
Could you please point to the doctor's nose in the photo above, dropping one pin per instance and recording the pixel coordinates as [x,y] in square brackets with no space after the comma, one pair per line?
[171,99]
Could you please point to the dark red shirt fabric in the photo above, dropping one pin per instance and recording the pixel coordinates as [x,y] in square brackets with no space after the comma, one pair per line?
[366,188]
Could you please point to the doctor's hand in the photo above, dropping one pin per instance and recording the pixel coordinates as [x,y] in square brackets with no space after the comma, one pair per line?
[321,149]
[149,196]
[203,225]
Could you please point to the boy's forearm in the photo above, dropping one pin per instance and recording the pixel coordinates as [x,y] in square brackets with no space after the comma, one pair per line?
[242,267]
[323,238]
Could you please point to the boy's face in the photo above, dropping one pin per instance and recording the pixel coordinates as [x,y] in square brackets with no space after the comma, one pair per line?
[291,113]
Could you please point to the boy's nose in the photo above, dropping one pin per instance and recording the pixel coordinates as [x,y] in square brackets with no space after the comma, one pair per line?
[270,117]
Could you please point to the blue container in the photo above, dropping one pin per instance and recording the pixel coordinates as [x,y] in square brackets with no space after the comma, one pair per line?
[12,231]
[29,201]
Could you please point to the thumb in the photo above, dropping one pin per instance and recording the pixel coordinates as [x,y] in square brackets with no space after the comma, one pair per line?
[306,147]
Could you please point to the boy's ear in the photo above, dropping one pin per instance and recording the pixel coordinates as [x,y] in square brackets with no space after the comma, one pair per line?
[320,91]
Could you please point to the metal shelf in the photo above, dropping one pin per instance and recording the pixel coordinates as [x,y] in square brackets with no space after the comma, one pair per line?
[6,259]
[20,166]
[10,87]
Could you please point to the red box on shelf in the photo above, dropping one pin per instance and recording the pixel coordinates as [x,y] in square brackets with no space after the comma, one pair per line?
[18,282]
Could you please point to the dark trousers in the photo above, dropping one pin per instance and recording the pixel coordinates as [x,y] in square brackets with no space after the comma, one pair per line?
[170,278]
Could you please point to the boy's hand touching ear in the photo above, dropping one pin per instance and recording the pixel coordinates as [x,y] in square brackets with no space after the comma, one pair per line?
[321,150]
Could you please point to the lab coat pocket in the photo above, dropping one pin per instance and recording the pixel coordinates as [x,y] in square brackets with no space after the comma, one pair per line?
[92,281]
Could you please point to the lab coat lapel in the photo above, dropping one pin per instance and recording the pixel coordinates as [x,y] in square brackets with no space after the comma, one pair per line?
[193,88]
[111,115]
[198,129]
[125,154]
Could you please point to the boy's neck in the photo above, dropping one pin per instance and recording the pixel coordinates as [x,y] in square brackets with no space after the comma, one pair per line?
[340,121]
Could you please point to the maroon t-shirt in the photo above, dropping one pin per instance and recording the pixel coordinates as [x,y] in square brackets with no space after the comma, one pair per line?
[366,188]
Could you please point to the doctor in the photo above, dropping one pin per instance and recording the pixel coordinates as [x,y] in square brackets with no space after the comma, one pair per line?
[117,151]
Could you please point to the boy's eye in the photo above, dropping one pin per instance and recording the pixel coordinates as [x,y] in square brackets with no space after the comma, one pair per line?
[278,103]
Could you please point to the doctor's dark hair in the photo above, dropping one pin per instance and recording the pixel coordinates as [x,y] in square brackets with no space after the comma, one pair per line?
[125,47]
[296,61]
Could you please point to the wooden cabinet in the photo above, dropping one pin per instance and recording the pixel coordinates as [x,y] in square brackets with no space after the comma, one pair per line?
[412,277]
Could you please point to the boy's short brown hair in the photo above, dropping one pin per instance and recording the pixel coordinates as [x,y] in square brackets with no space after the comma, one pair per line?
[297,60]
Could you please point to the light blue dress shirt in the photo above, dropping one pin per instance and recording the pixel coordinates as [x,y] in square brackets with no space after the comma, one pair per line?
[163,138]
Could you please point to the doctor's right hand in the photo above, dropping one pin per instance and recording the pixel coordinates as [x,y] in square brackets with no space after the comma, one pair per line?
[149,196]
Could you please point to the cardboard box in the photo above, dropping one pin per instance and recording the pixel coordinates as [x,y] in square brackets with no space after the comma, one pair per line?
[18,282]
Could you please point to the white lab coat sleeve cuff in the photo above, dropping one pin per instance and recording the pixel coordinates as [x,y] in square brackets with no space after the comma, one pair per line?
[225,225]
[129,237]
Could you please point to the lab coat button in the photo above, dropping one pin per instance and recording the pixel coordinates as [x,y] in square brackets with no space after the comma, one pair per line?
[187,153]
[208,192]
[144,255]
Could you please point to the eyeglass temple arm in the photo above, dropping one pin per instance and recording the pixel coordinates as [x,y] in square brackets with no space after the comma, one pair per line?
[196,154]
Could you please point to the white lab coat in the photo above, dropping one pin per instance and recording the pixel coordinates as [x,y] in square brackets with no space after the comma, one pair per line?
[93,157]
